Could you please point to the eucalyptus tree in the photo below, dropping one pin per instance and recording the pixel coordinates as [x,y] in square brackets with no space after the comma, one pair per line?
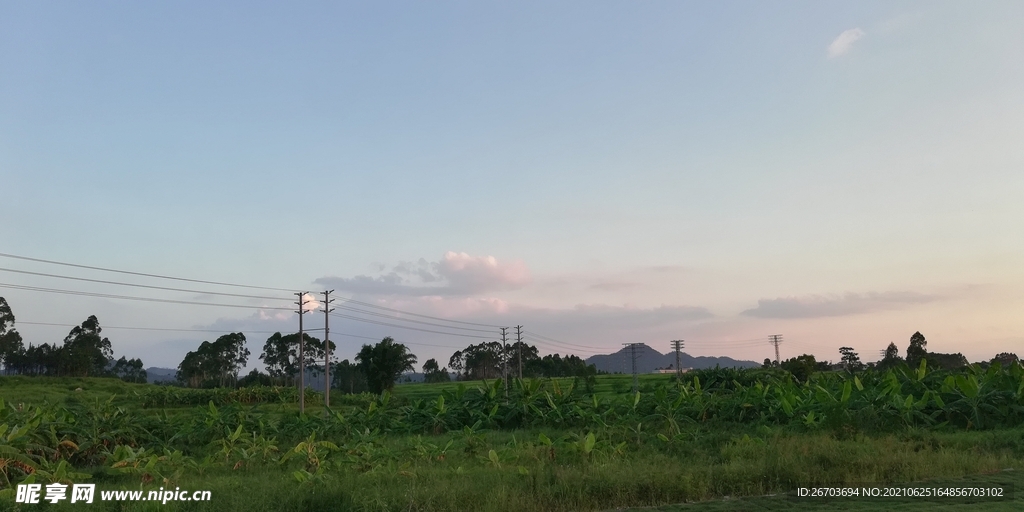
[216,363]
[281,354]
[11,345]
[84,352]
[384,363]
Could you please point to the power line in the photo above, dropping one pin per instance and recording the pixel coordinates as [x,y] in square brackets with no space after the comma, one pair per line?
[243,330]
[128,297]
[372,305]
[407,327]
[143,274]
[552,340]
[42,274]
[398,341]
[373,313]
[556,348]
[219,283]
[147,328]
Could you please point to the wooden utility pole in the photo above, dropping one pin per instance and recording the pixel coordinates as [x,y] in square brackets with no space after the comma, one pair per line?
[302,354]
[327,348]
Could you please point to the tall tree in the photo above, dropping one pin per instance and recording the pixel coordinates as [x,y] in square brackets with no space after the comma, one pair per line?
[348,377]
[850,359]
[11,346]
[216,363]
[129,370]
[281,354]
[916,350]
[84,352]
[432,372]
[1006,358]
[802,367]
[892,357]
[384,363]
[482,361]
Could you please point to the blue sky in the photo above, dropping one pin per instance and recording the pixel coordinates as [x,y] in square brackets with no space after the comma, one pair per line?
[844,174]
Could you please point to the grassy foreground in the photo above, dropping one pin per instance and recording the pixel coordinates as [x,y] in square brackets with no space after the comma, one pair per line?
[569,456]
[418,473]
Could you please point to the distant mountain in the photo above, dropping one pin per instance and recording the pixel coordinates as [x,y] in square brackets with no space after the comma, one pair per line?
[649,360]
[154,374]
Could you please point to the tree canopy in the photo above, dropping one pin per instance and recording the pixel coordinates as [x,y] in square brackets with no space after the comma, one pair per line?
[84,352]
[11,345]
[382,364]
[916,350]
[432,372]
[281,354]
[214,364]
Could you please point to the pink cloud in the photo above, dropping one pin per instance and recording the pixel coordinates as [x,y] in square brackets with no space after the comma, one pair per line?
[456,274]
[480,273]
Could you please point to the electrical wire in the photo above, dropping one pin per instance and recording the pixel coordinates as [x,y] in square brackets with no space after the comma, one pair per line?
[392,317]
[552,340]
[147,328]
[333,333]
[369,304]
[143,274]
[127,297]
[555,348]
[407,327]
[204,292]
[219,283]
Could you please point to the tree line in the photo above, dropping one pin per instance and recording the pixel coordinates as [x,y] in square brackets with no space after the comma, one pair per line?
[84,353]
[376,367]
[803,366]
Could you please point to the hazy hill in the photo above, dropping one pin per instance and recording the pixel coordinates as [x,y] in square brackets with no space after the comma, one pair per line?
[649,360]
[154,374]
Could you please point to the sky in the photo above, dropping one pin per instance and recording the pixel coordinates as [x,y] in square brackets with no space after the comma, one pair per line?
[842,174]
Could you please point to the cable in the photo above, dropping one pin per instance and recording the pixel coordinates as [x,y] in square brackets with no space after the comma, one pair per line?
[158,276]
[219,283]
[333,333]
[406,327]
[142,285]
[357,310]
[552,340]
[368,304]
[556,349]
[126,297]
[400,341]
[147,328]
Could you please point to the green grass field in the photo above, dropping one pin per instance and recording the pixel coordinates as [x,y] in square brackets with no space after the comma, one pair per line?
[714,465]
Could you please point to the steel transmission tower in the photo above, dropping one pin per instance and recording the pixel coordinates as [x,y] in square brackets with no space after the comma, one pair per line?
[678,345]
[775,339]
[633,355]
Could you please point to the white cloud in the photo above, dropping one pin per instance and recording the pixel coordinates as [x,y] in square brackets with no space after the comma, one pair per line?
[844,42]
[311,303]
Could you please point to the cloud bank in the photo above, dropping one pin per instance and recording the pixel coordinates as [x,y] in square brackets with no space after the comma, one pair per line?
[455,274]
[816,306]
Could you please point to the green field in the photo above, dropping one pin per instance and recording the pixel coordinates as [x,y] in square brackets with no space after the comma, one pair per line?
[726,441]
